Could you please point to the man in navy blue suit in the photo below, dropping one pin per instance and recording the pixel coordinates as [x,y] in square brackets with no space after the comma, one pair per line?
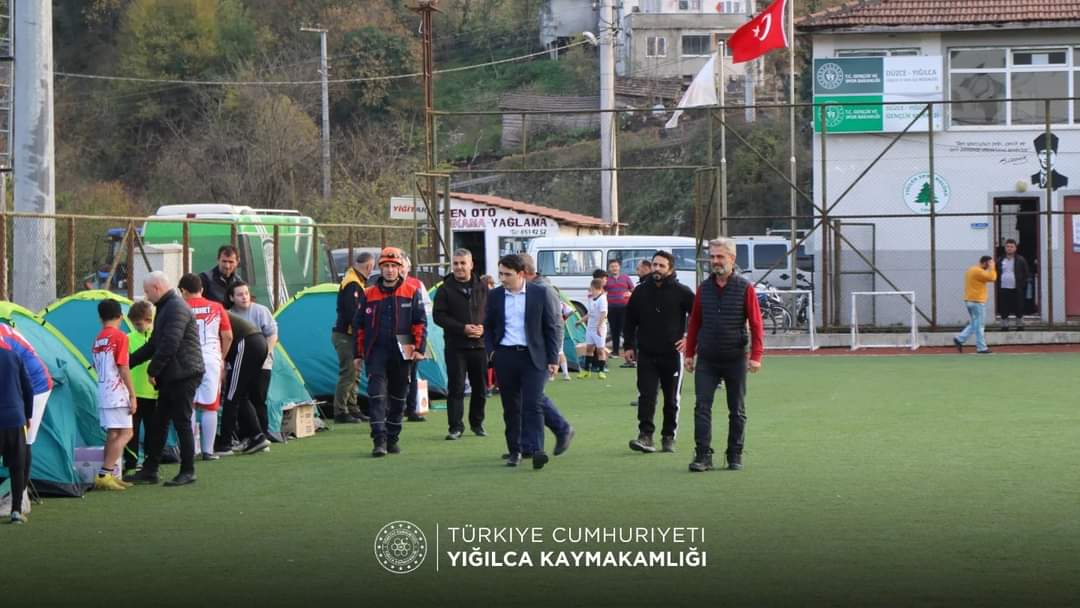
[523,331]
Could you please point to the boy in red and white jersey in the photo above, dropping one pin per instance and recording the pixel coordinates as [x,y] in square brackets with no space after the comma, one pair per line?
[215,336]
[116,392]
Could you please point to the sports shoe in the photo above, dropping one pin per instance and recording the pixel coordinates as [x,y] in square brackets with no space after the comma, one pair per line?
[346,419]
[453,436]
[643,443]
[582,375]
[539,460]
[122,482]
[380,449]
[393,448]
[734,461]
[415,418]
[984,352]
[182,479]
[18,518]
[667,444]
[257,445]
[563,443]
[601,375]
[142,477]
[207,456]
[958,344]
[479,431]
[513,460]
[107,482]
[702,461]
[628,364]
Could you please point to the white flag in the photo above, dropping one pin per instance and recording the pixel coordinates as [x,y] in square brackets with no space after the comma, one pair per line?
[702,92]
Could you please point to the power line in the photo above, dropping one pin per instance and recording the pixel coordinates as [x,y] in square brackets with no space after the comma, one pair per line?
[303,82]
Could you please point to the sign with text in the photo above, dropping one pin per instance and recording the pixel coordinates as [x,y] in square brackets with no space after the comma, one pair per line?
[407,208]
[880,81]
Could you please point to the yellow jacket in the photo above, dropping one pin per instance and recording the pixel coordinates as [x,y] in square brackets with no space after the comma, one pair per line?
[975,282]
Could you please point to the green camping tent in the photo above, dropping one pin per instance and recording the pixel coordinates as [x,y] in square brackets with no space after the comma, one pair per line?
[304,324]
[76,317]
[71,418]
[286,387]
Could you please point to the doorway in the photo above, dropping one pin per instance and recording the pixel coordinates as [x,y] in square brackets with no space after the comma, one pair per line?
[1072,256]
[1019,220]
[474,242]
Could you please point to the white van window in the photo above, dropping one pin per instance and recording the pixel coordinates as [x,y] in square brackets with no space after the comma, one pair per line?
[628,258]
[684,259]
[569,262]
[742,257]
[765,256]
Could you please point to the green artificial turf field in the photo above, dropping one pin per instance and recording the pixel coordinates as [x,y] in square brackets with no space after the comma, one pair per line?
[911,480]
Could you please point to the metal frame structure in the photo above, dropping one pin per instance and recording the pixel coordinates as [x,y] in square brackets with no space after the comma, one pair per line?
[907,295]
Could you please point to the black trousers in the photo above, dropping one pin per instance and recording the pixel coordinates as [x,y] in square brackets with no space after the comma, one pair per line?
[174,406]
[1010,303]
[616,320]
[707,377]
[388,385]
[666,372]
[462,362]
[13,450]
[243,367]
[144,413]
[258,400]
[521,387]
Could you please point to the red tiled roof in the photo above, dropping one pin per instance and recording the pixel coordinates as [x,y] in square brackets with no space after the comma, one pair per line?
[899,13]
[565,217]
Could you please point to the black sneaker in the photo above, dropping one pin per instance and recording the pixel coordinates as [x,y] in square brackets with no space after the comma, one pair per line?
[628,365]
[633,403]
[667,444]
[257,445]
[525,455]
[513,460]
[563,443]
[415,418]
[380,449]
[208,457]
[702,461]
[143,478]
[453,436]
[479,431]
[734,461]
[182,479]
[392,447]
[360,416]
[346,419]
[539,460]
[959,345]
[643,444]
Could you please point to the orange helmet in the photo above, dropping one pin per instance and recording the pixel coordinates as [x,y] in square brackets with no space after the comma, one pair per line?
[392,255]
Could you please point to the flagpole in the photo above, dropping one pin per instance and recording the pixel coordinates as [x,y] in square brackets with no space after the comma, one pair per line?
[791,117]
[722,226]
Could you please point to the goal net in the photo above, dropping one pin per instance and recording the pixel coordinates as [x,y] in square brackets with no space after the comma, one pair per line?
[788,317]
[858,340]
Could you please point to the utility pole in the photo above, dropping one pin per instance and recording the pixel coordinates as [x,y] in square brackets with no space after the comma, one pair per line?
[34,245]
[324,72]
[750,66]
[426,10]
[609,158]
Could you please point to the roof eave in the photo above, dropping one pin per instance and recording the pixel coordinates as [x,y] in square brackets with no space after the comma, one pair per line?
[922,28]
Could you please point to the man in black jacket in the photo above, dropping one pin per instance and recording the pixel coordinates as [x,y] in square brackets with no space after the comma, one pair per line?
[653,336]
[346,406]
[1013,273]
[459,309]
[176,369]
[218,281]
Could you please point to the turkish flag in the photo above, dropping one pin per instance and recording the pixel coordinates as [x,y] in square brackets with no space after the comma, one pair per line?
[764,33]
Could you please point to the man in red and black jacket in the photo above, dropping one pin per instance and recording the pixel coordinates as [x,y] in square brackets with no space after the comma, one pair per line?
[725,318]
[391,335]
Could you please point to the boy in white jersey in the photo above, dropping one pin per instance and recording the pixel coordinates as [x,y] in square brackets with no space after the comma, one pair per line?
[116,392]
[215,337]
[595,331]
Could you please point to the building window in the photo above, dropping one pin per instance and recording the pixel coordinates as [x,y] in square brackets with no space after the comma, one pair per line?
[695,46]
[983,76]
[1076,86]
[656,46]
[650,6]
[909,52]
[730,7]
[689,5]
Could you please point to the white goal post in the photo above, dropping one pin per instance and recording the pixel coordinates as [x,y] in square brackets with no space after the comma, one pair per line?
[792,300]
[856,344]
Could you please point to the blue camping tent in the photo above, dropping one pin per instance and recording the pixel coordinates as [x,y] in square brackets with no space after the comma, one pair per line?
[76,317]
[304,324]
[71,418]
[286,387]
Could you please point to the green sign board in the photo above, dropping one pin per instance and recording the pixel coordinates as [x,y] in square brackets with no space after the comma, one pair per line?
[849,76]
[856,118]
